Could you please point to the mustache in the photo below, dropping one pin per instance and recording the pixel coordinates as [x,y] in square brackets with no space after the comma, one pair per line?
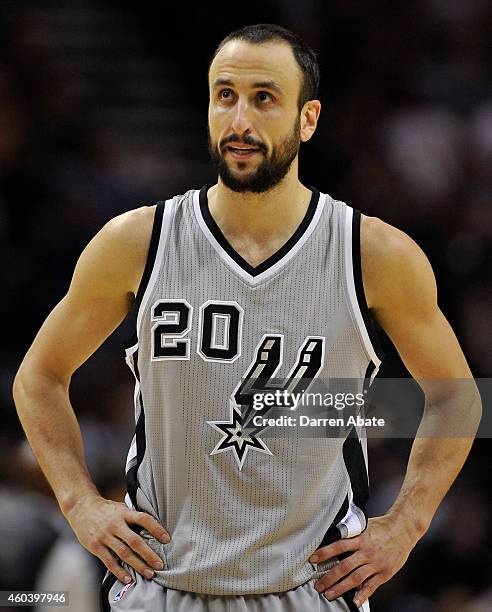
[249,140]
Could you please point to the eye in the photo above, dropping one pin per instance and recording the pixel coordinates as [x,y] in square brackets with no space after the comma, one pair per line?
[264,96]
[225,94]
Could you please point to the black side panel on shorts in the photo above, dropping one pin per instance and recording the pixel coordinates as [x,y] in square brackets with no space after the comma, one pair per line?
[106,585]
[149,265]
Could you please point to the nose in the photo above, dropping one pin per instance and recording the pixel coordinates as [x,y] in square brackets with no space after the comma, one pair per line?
[241,123]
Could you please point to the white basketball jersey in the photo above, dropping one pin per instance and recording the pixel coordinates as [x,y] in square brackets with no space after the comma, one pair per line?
[245,510]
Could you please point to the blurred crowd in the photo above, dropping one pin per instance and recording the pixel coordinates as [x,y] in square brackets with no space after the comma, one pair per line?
[103,108]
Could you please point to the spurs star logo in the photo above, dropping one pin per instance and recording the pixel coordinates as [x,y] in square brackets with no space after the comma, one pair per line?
[236,437]
[238,433]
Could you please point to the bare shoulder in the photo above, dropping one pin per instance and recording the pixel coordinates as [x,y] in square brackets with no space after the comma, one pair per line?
[383,242]
[114,260]
[130,234]
[393,265]
[133,227]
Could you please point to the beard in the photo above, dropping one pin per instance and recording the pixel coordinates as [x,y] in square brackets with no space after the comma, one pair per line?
[270,171]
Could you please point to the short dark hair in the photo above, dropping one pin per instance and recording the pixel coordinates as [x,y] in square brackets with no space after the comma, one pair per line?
[304,55]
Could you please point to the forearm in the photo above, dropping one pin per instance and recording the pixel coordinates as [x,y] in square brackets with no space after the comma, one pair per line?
[435,461]
[48,419]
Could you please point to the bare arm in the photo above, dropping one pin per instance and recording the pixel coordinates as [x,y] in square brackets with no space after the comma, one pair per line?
[401,292]
[409,313]
[100,295]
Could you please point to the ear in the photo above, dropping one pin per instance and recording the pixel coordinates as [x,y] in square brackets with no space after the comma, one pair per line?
[309,119]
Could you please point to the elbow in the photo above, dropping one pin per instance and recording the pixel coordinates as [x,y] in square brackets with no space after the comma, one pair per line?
[19,385]
[478,408]
[33,380]
[474,412]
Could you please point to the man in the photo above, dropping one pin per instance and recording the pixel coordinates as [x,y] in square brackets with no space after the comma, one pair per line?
[230,285]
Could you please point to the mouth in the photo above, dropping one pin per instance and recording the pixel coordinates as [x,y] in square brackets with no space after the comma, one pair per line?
[242,152]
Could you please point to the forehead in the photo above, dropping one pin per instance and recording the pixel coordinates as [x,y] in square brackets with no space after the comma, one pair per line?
[251,62]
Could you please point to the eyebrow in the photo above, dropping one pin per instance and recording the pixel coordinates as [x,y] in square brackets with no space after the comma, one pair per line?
[257,85]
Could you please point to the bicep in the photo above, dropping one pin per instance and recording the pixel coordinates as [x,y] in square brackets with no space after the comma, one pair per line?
[428,347]
[403,293]
[426,344]
[72,332]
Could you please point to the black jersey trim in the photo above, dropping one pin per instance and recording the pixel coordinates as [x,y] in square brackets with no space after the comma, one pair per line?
[273,259]
[356,467]
[132,474]
[149,266]
[333,533]
[359,286]
[106,587]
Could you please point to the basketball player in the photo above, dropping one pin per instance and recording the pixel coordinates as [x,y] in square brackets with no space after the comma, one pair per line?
[255,274]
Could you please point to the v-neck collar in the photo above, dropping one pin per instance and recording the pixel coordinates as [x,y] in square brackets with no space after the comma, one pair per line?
[255,274]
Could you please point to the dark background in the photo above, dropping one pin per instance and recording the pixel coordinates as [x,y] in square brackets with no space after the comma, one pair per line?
[103,108]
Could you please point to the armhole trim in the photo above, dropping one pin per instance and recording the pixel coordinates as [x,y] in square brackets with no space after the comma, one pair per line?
[149,273]
[355,286]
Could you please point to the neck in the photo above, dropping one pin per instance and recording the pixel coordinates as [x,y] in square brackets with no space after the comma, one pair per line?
[261,218]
